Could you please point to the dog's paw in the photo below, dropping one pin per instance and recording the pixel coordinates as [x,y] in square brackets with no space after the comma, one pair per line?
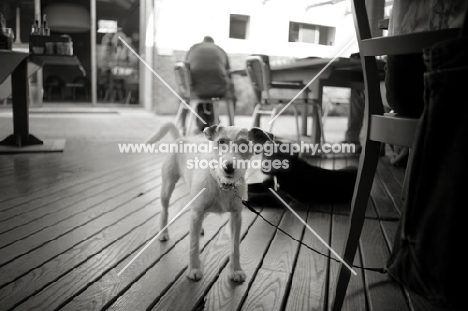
[238,276]
[164,236]
[195,274]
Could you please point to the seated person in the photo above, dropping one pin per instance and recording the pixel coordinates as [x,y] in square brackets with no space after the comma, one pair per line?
[404,82]
[404,79]
[209,71]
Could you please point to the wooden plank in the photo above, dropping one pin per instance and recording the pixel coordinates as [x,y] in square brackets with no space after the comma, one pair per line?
[186,294]
[105,291]
[389,230]
[383,293]
[327,163]
[59,187]
[59,179]
[355,295]
[270,295]
[345,209]
[29,212]
[384,206]
[269,289]
[34,168]
[309,288]
[339,163]
[77,165]
[21,164]
[228,295]
[38,257]
[84,210]
[397,172]
[106,206]
[391,186]
[129,236]
[283,250]
[254,175]
[159,277]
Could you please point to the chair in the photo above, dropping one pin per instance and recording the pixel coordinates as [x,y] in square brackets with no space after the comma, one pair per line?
[381,128]
[272,96]
[79,83]
[54,84]
[183,80]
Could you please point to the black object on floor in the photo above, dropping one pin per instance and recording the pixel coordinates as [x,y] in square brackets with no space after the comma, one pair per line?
[308,183]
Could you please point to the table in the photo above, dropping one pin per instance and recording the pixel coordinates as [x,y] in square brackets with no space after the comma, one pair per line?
[16,64]
[342,72]
[62,60]
[57,60]
[305,69]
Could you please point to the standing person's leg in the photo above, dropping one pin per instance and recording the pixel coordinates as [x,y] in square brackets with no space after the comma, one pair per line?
[355,117]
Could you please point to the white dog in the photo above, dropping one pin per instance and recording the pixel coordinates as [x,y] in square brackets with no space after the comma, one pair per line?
[221,181]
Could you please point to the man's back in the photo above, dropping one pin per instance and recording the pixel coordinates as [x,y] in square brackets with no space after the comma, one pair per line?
[209,67]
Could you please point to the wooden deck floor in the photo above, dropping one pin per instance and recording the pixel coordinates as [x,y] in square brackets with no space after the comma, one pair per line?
[70,222]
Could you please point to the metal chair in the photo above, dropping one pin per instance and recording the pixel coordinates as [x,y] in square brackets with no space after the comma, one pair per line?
[183,80]
[272,96]
[382,128]
[79,83]
[54,84]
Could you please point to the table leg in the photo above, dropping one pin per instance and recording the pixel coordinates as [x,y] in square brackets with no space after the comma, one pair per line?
[19,86]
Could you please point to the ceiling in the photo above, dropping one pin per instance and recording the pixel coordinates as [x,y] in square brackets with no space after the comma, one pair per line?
[121,4]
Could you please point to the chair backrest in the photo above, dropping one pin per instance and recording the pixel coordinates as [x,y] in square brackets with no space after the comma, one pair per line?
[81,80]
[259,74]
[54,81]
[182,77]
[392,45]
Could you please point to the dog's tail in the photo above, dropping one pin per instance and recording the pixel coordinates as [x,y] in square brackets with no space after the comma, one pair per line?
[162,131]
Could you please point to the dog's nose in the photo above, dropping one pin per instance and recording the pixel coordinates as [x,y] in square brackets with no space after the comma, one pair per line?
[229,168]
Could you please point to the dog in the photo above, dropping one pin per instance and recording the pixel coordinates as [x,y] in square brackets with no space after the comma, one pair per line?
[221,182]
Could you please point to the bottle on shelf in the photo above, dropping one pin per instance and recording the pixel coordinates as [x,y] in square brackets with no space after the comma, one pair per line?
[2,24]
[35,28]
[45,26]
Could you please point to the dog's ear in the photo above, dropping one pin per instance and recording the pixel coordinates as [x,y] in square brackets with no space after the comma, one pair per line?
[259,136]
[211,132]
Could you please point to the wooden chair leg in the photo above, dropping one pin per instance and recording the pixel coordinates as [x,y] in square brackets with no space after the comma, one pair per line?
[367,166]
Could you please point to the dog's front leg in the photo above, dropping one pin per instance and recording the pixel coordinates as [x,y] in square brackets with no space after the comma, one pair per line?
[237,274]
[194,272]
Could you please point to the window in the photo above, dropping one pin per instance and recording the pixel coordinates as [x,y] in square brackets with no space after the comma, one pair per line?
[309,33]
[239,26]
[107,26]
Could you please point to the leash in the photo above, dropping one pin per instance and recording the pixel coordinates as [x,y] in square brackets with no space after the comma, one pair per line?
[246,204]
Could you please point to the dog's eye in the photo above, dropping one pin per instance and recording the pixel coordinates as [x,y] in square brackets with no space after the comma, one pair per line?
[222,142]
